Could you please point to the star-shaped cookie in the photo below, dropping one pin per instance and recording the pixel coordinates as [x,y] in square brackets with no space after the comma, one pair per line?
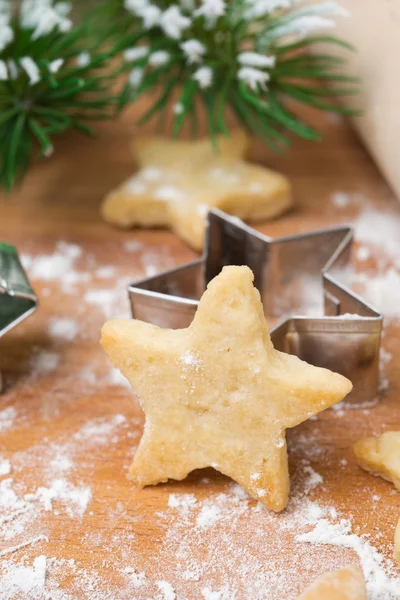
[218,393]
[178,181]
[381,456]
[346,584]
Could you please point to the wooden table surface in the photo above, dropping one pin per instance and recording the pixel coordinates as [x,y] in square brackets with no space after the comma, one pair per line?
[66,416]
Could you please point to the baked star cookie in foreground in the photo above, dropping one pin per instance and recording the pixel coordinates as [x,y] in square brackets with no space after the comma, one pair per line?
[218,393]
[380,456]
[179,181]
[346,584]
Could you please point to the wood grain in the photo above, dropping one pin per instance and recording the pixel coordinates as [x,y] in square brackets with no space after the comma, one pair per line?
[124,527]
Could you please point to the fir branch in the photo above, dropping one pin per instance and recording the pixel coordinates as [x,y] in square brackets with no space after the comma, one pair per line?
[248,56]
[54,76]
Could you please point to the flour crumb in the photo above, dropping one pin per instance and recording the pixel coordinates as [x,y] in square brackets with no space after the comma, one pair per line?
[63,328]
[238,491]
[188,359]
[5,467]
[223,594]
[208,516]
[7,418]
[383,291]
[18,579]
[133,246]
[379,579]
[363,253]
[61,462]
[45,362]
[103,299]
[136,579]
[59,266]
[75,499]
[39,571]
[116,378]
[182,502]
[98,431]
[105,272]
[32,542]
[312,479]
[340,199]
[166,590]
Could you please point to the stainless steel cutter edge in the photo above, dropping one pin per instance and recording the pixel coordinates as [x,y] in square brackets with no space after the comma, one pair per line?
[14,284]
[346,340]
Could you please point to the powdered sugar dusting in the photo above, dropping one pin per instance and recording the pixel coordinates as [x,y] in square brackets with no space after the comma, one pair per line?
[63,328]
[44,362]
[5,467]
[380,578]
[75,499]
[167,591]
[7,418]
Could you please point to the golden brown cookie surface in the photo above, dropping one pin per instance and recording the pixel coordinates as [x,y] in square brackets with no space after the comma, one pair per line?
[346,584]
[381,456]
[179,181]
[218,393]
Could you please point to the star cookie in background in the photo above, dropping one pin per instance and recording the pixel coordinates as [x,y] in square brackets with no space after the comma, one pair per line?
[178,181]
[218,393]
[346,584]
[396,553]
[380,456]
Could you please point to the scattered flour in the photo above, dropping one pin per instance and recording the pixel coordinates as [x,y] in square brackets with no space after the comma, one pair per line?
[167,591]
[116,378]
[15,512]
[98,431]
[39,568]
[59,266]
[75,499]
[102,299]
[182,502]
[28,580]
[63,328]
[106,272]
[363,253]
[340,199]
[381,230]
[32,542]
[136,579]
[223,594]
[45,362]
[383,291]
[61,462]
[133,246]
[5,467]
[381,582]
[312,479]
[7,418]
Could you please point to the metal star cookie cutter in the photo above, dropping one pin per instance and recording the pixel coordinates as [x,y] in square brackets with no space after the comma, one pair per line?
[17,298]
[344,337]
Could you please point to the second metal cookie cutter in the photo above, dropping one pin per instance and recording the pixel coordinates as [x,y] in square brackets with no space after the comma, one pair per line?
[17,298]
[344,334]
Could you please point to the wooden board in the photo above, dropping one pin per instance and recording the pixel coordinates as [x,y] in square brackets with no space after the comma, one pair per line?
[63,400]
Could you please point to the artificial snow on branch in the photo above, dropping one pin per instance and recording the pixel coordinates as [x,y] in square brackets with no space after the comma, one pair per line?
[54,76]
[251,56]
